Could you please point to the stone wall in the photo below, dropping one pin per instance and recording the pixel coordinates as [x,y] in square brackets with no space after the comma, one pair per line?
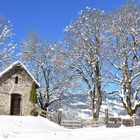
[8,87]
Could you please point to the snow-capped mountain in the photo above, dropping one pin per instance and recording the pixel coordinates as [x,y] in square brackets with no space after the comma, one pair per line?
[78,106]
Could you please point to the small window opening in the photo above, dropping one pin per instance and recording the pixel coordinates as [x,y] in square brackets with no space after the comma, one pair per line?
[16,80]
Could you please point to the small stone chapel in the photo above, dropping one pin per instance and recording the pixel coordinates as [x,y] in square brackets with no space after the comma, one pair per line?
[15,86]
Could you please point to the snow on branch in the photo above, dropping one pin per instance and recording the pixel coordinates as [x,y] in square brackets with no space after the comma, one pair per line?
[136,75]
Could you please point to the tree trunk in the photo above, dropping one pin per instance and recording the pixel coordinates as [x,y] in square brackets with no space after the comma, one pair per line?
[46,79]
[127,103]
[98,92]
[92,98]
[126,90]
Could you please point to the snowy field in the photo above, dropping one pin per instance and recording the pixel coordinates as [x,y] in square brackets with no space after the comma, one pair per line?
[38,128]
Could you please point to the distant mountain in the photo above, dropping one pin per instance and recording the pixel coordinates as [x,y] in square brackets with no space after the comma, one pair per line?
[78,106]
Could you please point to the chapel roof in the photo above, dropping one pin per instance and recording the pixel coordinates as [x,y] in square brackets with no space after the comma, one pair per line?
[21,65]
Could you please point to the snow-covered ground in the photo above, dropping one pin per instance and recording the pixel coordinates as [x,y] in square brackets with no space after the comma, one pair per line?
[38,128]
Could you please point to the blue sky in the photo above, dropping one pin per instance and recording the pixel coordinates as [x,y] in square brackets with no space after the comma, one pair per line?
[48,18]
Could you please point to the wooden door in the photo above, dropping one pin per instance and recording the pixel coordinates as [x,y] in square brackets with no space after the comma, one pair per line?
[15,104]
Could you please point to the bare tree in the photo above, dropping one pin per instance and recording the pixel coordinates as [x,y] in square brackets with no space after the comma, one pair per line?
[124,40]
[44,59]
[85,39]
[30,53]
[7,45]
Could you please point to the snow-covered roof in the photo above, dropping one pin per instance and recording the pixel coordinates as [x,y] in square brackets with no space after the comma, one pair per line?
[23,66]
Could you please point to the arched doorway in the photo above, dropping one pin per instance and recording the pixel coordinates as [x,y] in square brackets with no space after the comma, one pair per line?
[15,104]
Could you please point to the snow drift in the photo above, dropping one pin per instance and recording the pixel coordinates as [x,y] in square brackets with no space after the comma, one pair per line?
[38,128]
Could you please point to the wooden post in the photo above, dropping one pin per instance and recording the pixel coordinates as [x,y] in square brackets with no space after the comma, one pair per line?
[60,116]
[106,117]
[133,118]
[121,121]
[46,113]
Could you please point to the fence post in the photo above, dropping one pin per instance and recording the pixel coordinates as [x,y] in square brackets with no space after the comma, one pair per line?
[121,121]
[46,113]
[60,116]
[106,117]
[133,118]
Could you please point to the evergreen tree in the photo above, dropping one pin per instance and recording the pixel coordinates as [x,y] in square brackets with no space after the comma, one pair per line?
[33,96]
